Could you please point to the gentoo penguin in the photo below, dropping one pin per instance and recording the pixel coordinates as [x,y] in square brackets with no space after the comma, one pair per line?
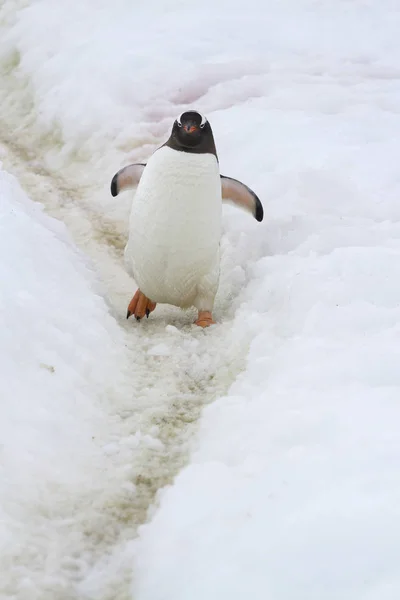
[175,224]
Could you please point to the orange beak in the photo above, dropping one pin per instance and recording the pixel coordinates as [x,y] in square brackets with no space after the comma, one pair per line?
[190,128]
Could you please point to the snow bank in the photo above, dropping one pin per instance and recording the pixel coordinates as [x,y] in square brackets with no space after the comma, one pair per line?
[61,370]
[115,76]
[293,489]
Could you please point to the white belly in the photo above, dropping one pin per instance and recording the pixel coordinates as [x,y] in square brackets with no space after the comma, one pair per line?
[175,227]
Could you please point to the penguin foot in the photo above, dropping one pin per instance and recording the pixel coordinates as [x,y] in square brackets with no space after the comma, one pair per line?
[140,306]
[204,319]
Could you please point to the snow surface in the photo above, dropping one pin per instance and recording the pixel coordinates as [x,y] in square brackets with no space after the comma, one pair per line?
[62,364]
[291,490]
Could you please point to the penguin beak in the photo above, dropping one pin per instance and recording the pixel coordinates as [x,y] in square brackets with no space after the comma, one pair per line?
[190,128]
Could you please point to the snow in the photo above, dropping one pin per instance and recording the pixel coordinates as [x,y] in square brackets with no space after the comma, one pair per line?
[59,346]
[286,486]
[87,417]
[292,489]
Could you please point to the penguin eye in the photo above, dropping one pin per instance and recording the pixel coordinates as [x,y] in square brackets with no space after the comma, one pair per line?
[179,123]
[202,125]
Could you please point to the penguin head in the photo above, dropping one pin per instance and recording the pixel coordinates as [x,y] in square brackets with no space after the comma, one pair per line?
[191,132]
[191,129]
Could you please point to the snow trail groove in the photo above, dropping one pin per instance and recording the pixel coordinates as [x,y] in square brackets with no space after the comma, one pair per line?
[176,370]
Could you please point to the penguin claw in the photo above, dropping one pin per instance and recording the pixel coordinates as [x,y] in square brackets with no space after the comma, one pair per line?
[140,306]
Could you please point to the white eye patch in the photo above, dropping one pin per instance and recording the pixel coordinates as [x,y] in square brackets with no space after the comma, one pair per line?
[202,123]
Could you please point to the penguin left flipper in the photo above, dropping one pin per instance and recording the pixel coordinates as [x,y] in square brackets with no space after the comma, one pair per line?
[237,192]
[126,178]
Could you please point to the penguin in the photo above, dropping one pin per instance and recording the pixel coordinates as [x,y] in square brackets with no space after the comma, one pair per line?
[173,248]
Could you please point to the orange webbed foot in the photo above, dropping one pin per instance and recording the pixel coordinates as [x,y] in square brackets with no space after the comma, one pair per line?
[140,306]
[204,319]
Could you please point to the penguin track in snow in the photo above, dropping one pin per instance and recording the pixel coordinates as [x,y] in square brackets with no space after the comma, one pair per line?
[177,370]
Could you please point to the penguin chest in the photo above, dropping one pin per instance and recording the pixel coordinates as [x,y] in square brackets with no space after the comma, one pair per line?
[175,225]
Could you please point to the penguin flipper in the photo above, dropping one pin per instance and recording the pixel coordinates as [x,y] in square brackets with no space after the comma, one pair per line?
[126,178]
[237,192]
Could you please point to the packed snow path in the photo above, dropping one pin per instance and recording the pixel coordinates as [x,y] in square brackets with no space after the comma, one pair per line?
[174,372]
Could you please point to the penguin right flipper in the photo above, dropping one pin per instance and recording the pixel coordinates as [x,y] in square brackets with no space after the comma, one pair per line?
[126,178]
